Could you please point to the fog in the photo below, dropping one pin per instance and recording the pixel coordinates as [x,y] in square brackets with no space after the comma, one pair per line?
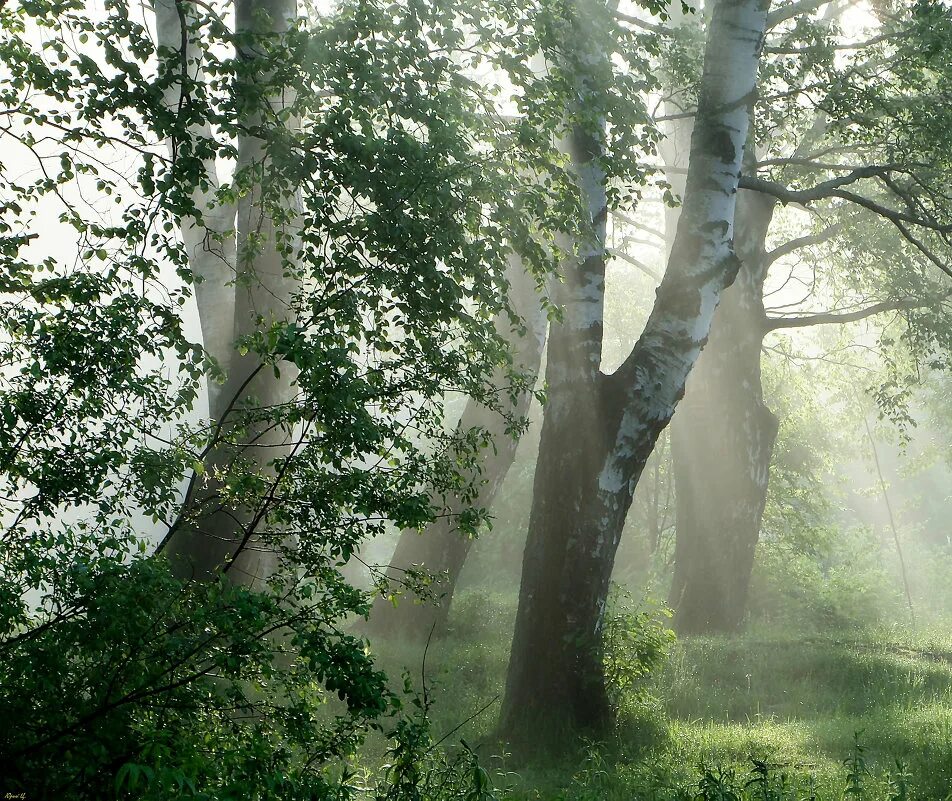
[482,401]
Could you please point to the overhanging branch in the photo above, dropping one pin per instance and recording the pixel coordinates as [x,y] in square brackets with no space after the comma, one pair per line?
[643,24]
[904,221]
[840,318]
[620,254]
[803,242]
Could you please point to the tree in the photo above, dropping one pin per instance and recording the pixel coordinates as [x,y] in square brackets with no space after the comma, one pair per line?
[441,548]
[244,283]
[599,429]
[723,434]
[547,103]
[348,261]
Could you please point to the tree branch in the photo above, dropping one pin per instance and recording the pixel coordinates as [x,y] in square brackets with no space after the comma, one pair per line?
[620,254]
[643,24]
[822,191]
[618,215]
[839,318]
[804,242]
[883,37]
[834,189]
[782,14]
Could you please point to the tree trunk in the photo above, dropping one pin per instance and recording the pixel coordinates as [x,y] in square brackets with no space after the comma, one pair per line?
[209,234]
[441,549]
[214,534]
[599,430]
[722,440]
[723,436]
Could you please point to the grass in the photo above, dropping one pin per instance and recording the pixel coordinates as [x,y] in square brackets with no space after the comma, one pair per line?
[800,702]
[796,703]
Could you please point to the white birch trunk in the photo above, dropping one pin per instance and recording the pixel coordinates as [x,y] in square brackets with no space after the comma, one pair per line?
[245,287]
[582,494]
[210,241]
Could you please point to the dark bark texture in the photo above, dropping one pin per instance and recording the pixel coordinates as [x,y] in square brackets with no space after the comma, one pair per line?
[556,661]
[722,440]
[599,430]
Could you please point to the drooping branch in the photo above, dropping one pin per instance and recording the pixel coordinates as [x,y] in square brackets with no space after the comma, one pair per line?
[834,188]
[628,259]
[643,24]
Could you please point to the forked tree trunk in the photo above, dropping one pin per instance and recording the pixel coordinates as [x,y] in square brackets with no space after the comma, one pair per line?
[440,548]
[599,430]
[722,440]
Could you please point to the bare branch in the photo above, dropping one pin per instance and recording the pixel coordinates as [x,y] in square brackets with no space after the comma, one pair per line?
[804,242]
[839,318]
[822,191]
[834,189]
[883,37]
[809,163]
[643,24]
[620,254]
[635,224]
[782,14]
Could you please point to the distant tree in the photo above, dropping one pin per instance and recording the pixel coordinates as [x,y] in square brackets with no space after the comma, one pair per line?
[440,550]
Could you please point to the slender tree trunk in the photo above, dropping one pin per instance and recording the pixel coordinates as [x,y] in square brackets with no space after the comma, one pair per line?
[599,430]
[209,235]
[441,549]
[722,440]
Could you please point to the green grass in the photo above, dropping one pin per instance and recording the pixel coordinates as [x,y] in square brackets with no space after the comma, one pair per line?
[796,702]
[800,701]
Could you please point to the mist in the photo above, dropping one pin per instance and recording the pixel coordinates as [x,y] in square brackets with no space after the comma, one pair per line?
[418,401]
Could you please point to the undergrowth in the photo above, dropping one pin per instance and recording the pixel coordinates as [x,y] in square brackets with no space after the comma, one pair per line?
[857,715]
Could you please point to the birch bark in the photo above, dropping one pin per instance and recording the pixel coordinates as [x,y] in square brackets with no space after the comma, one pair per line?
[582,494]
[723,436]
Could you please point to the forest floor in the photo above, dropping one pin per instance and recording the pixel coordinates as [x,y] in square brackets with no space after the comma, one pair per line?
[798,703]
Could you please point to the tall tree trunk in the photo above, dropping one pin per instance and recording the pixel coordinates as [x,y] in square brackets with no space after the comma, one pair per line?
[722,440]
[440,548]
[209,234]
[255,293]
[599,430]
[723,436]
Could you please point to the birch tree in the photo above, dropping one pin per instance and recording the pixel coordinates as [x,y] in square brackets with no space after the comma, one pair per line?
[599,429]
[240,255]
[442,547]
[547,101]
[335,196]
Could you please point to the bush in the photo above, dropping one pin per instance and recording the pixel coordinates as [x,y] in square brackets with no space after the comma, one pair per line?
[635,640]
